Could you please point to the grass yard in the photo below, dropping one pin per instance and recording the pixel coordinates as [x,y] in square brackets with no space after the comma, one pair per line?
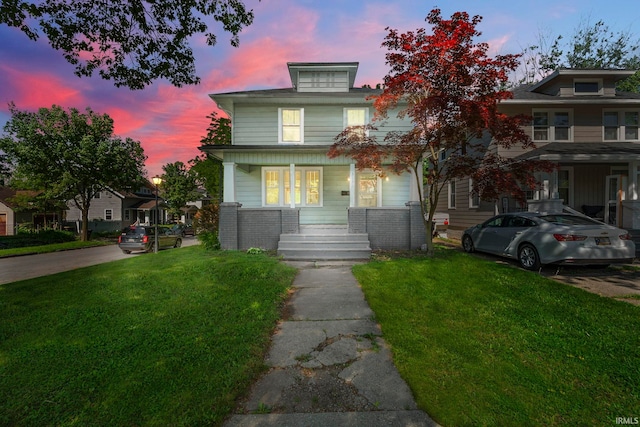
[486,344]
[166,339]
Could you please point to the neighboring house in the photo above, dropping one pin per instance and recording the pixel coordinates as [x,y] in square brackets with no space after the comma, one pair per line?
[8,217]
[280,140]
[590,130]
[11,216]
[191,208]
[112,210]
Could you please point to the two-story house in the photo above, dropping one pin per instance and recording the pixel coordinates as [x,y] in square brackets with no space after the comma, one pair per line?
[282,191]
[591,131]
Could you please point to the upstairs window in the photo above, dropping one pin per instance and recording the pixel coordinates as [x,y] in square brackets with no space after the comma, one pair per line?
[357,117]
[291,125]
[621,125]
[552,125]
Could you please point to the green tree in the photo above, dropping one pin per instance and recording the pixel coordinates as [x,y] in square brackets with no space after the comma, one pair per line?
[208,169]
[132,43]
[178,186]
[71,155]
[590,47]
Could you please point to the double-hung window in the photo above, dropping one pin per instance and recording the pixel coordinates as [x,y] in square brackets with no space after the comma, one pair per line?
[552,125]
[451,190]
[474,197]
[620,125]
[357,117]
[108,214]
[307,186]
[291,125]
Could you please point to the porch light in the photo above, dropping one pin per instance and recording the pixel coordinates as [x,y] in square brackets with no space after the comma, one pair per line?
[156,181]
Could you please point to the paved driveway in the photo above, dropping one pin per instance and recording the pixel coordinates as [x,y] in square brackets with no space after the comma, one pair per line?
[30,266]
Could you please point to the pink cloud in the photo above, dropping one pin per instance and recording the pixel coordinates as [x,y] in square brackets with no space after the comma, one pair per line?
[32,90]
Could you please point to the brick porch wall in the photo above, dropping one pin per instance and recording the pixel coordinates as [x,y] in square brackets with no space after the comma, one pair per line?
[398,228]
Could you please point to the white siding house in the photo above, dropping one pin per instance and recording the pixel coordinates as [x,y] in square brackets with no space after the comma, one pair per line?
[278,161]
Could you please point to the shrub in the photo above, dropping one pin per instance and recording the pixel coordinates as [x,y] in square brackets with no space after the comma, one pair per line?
[209,240]
[36,238]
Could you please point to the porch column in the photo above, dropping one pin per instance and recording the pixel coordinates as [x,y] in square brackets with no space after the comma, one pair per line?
[292,186]
[352,185]
[229,189]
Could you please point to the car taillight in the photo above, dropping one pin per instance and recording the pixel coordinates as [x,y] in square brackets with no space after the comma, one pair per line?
[625,236]
[145,239]
[569,237]
[119,239]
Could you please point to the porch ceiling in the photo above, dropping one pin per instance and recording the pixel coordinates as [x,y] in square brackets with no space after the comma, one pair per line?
[585,152]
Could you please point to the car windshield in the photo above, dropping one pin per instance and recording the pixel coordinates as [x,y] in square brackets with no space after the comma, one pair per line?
[569,220]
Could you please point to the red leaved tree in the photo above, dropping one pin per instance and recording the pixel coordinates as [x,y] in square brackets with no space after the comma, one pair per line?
[448,87]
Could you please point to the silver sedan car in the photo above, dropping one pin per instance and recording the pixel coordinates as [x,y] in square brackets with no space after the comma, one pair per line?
[535,239]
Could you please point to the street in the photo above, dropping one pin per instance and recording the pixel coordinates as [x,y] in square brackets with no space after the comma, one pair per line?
[30,266]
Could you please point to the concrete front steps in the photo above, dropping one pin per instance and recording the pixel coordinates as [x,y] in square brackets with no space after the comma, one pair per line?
[324,242]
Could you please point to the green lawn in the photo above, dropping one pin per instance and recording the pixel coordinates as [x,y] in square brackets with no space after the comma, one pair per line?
[160,339]
[486,344]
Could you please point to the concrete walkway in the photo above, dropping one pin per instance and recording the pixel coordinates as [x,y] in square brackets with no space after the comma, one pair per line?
[329,365]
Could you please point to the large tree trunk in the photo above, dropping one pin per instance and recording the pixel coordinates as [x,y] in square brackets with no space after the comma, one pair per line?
[85,224]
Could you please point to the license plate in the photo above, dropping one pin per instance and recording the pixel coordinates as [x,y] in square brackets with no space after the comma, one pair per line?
[602,241]
[131,239]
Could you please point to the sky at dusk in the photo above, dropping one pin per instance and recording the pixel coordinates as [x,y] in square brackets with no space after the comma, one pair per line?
[169,122]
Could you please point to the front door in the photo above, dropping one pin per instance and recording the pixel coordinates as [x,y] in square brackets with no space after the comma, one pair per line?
[367,189]
[614,195]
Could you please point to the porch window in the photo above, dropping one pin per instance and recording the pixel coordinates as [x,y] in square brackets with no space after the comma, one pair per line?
[127,214]
[276,184]
[356,117]
[621,125]
[552,125]
[291,125]
[451,189]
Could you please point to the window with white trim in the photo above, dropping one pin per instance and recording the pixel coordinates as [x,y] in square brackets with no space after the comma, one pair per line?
[620,125]
[291,125]
[276,186]
[108,214]
[451,199]
[474,197]
[552,125]
[357,117]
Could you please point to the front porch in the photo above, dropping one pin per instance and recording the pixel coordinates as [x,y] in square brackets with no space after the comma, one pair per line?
[389,228]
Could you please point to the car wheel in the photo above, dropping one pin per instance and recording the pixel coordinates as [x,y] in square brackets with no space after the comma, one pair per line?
[126,252]
[467,244]
[178,243]
[528,257]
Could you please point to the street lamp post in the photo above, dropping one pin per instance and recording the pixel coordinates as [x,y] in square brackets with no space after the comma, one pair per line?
[156,181]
